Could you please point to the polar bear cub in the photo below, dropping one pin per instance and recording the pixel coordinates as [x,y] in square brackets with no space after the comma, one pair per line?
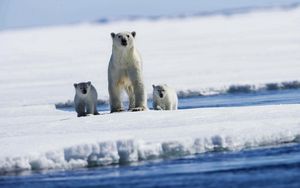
[164,98]
[85,99]
[125,73]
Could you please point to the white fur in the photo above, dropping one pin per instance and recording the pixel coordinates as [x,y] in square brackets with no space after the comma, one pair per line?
[168,99]
[85,103]
[125,73]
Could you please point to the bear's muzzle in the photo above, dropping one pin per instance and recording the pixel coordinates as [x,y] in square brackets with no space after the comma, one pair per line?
[124,42]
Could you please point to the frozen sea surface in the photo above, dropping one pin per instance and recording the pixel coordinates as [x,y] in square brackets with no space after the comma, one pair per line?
[276,165]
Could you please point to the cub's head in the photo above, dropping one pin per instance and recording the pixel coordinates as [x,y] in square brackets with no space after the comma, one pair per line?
[82,88]
[159,90]
[123,39]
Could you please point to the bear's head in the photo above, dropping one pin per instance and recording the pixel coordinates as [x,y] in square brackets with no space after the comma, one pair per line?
[83,88]
[123,40]
[159,90]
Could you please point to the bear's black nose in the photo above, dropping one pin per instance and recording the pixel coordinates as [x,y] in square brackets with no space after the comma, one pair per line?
[161,95]
[84,91]
[124,42]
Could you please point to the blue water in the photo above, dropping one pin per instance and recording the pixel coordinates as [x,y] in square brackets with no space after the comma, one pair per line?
[276,97]
[288,96]
[274,166]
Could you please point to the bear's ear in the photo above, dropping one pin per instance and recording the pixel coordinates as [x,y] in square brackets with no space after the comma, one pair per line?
[112,35]
[153,86]
[75,85]
[89,83]
[133,33]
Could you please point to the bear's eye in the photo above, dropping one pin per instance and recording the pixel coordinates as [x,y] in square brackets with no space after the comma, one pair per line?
[127,36]
[119,36]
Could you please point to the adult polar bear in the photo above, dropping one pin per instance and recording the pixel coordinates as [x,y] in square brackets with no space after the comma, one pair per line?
[125,72]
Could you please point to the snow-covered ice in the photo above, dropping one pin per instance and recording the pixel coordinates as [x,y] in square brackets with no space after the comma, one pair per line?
[54,139]
[201,54]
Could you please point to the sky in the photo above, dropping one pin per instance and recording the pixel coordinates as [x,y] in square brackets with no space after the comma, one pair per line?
[28,13]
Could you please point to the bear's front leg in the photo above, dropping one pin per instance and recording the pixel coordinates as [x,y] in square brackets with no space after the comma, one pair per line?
[157,107]
[130,93]
[80,109]
[115,98]
[139,92]
[95,110]
[91,108]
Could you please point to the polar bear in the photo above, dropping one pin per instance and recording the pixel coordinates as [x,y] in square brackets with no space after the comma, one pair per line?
[125,73]
[164,98]
[85,99]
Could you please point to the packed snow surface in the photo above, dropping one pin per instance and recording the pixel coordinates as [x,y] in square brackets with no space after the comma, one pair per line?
[48,138]
[202,54]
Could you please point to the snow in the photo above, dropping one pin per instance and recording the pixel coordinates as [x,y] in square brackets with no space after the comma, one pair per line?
[65,141]
[196,54]
[61,140]
[205,53]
